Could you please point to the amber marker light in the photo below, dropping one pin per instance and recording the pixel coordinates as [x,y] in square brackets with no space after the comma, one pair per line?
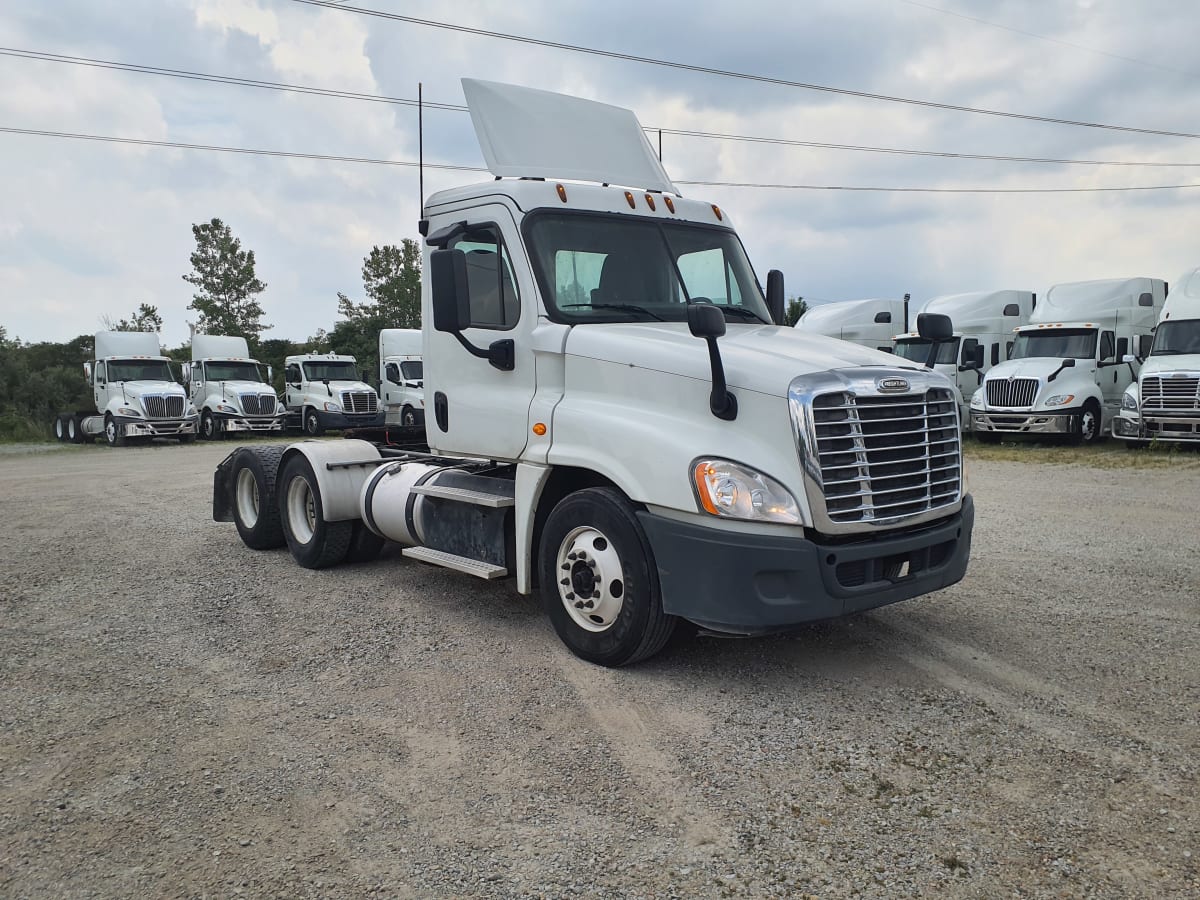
[629,199]
[562,193]
[700,475]
[670,203]
[650,202]
[539,429]
[717,212]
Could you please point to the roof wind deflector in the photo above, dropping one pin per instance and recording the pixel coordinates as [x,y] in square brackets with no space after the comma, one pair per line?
[444,236]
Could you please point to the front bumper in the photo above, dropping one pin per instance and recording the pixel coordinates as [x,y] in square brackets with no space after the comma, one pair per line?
[342,420]
[232,422]
[1045,422]
[156,427]
[1156,427]
[754,584]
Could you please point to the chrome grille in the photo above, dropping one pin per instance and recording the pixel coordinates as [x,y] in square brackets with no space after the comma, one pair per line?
[1171,394]
[258,404]
[163,407]
[1013,393]
[360,401]
[883,457]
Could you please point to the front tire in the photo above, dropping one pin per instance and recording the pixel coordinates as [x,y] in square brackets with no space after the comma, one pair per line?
[312,424]
[208,427]
[1087,424]
[255,504]
[114,432]
[408,417]
[314,543]
[598,580]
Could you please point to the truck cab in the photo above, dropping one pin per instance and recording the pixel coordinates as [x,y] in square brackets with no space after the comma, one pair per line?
[1164,403]
[983,337]
[402,376]
[868,323]
[323,390]
[1068,368]
[228,389]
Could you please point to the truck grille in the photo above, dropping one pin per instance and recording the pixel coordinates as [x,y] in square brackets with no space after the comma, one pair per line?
[1171,394]
[160,407]
[360,401]
[258,404]
[1013,393]
[887,457]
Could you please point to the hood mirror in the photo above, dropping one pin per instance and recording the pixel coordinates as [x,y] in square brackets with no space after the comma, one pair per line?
[707,322]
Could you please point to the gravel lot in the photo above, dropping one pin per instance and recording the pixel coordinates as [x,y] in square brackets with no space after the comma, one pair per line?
[182,716]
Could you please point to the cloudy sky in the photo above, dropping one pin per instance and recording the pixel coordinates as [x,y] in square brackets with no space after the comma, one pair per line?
[90,229]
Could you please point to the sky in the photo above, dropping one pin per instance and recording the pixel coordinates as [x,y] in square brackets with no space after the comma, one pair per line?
[91,229]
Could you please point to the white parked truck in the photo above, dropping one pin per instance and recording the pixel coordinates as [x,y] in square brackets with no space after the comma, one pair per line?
[617,422]
[983,336]
[1164,403]
[323,390]
[401,376]
[228,389]
[870,323]
[137,397]
[1067,371]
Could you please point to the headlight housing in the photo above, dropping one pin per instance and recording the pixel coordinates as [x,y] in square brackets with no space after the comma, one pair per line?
[977,399]
[129,411]
[1059,400]
[732,491]
[330,406]
[1129,400]
[227,408]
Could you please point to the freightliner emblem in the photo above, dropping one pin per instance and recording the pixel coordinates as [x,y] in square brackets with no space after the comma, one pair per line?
[892,385]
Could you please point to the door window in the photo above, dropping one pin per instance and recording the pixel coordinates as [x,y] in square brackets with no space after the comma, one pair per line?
[494,300]
[292,374]
[392,373]
[1107,345]
[100,373]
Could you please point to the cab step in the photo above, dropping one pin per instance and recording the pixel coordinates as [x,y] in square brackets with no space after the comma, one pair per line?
[464,495]
[476,567]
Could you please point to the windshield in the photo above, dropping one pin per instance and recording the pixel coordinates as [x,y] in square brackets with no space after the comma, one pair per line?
[1058,343]
[139,370]
[330,369]
[231,371]
[917,350]
[597,268]
[1177,337]
[411,371]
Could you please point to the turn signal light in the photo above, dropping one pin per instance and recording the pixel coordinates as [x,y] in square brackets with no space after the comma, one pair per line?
[562,193]
[650,202]
[670,203]
[717,211]
[539,429]
[629,199]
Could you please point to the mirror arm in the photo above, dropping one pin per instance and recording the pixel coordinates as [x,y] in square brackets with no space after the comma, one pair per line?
[500,354]
[721,403]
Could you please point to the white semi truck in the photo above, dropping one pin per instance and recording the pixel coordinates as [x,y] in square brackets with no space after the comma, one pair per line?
[401,376]
[869,323]
[983,336]
[1164,403]
[323,390]
[228,389]
[617,422]
[1068,370]
[137,397]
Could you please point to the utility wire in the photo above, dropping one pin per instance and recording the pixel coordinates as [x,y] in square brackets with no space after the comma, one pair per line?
[454,107]
[745,76]
[451,168]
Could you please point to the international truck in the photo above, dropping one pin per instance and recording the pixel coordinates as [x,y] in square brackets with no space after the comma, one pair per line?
[401,376]
[618,423]
[869,323]
[1068,370]
[136,395]
[324,390]
[1164,403]
[983,337]
[228,389]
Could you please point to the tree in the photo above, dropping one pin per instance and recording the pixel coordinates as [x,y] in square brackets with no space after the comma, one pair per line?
[796,307]
[145,318]
[392,280]
[223,274]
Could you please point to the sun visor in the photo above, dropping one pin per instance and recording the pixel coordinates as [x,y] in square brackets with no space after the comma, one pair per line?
[529,133]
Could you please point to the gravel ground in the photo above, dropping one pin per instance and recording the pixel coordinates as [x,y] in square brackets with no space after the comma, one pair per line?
[182,716]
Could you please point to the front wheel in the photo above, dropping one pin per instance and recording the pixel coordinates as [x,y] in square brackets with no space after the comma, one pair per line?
[315,543]
[312,424]
[408,417]
[1087,424]
[208,427]
[114,432]
[598,581]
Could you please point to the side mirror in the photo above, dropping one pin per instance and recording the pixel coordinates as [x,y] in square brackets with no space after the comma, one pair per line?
[935,327]
[979,356]
[1145,343]
[1128,358]
[185,369]
[775,297]
[1068,363]
[270,374]
[87,371]
[366,376]
[705,320]
[449,289]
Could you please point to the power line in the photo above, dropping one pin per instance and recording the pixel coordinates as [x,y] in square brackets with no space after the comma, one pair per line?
[451,168]
[745,76]
[238,81]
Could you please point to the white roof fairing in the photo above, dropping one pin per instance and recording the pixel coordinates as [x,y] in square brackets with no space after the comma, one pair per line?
[527,133]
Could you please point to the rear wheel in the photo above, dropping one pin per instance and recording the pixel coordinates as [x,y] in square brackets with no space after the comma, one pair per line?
[60,429]
[255,505]
[314,542]
[598,580]
[75,432]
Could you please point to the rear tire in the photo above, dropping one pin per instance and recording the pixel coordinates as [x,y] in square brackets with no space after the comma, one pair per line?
[60,429]
[609,611]
[255,504]
[314,543]
[75,432]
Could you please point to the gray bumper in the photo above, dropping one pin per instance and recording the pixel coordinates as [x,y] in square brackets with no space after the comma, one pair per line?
[1156,427]
[1059,422]
[156,427]
[232,422]
[342,420]
[753,584]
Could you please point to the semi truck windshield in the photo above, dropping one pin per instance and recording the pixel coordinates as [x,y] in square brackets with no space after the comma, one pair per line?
[231,371]
[598,268]
[331,370]
[1058,343]
[918,351]
[1173,338]
[139,370]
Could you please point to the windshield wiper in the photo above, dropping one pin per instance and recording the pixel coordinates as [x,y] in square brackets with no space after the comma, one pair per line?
[624,307]
[741,311]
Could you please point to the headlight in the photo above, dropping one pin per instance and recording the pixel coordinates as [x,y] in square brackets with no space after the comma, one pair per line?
[1129,401]
[225,407]
[1059,400]
[129,411]
[332,407]
[977,399]
[731,491]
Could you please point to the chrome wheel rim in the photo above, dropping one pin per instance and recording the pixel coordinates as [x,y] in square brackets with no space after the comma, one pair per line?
[591,581]
[247,498]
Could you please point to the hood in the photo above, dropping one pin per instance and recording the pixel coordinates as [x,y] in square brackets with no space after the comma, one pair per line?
[762,358]
[242,387]
[1181,362]
[153,389]
[1034,367]
[337,386]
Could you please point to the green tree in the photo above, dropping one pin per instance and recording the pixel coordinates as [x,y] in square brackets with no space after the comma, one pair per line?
[392,280]
[796,307]
[226,286]
[144,318]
